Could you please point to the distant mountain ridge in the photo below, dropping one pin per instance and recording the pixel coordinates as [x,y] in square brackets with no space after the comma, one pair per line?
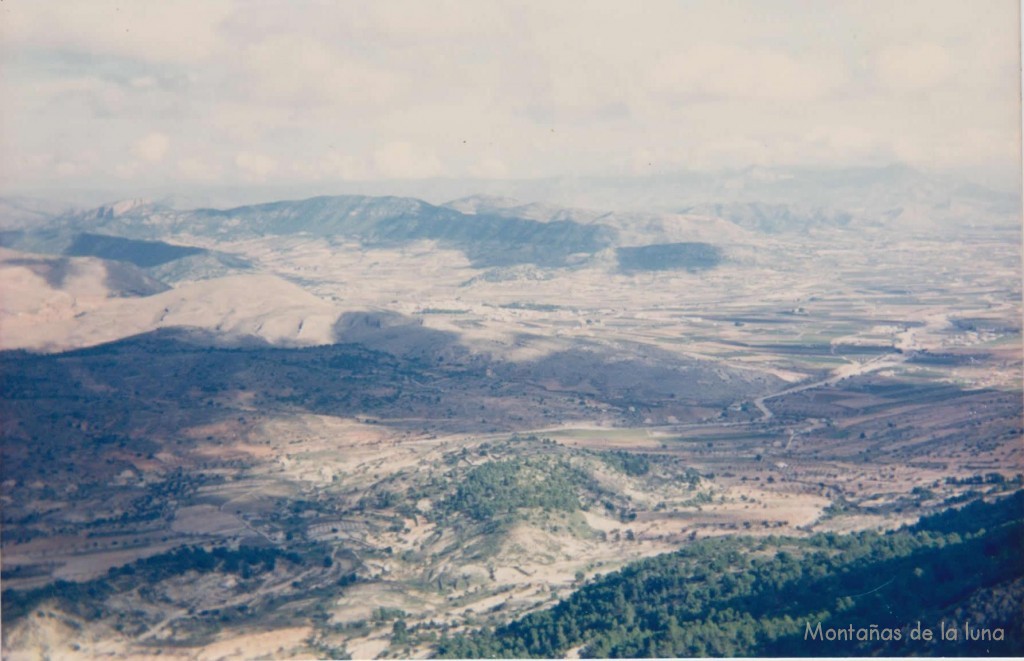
[163,261]
[775,218]
[863,191]
[633,228]
[498,230]
[790,198]
[488,240]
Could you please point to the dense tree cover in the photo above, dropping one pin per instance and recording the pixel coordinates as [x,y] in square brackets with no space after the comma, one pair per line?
[743,596]
[974,516]
[497,489]
[630,463]
[246,561]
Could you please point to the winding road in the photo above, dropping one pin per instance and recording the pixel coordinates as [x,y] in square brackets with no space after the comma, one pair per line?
[905,343]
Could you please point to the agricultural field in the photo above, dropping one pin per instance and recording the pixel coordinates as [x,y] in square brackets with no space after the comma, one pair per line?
[369,469]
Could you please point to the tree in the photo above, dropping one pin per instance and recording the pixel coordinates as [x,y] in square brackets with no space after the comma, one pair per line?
[399,633]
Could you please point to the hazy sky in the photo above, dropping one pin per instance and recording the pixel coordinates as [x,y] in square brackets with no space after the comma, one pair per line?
[143,93]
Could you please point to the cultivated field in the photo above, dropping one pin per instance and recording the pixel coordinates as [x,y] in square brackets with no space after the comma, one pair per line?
[826,382]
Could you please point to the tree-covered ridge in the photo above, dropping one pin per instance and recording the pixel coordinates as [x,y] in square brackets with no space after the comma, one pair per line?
[740,596]
[497,489]
[245,561]
[630,463]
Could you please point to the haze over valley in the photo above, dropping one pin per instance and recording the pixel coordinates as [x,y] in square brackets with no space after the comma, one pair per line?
[510,330]
[328,378]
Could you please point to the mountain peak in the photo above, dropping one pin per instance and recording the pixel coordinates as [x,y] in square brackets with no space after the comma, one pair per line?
[123,207]
[482,203]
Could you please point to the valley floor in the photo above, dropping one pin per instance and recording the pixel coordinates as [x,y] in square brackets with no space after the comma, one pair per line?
[472,446]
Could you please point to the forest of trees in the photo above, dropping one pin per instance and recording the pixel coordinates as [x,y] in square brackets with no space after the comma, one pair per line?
[745,596]
[245,561]
[630,463]
[497,489]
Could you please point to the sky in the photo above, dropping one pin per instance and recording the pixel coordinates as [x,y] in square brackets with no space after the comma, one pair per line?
[132,94]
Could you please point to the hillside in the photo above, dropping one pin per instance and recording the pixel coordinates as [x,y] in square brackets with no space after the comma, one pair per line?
[376,221]
[779,597]
[354,426]
[256,306]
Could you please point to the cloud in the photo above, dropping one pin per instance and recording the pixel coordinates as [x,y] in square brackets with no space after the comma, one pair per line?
[170,30]
[914,66]
[403,160]
[337,165]
[197,169]
[241,92]
[126,170]
[295,69]
[255,166]
[152,147]
[490,167]
[717,72]
[67,169]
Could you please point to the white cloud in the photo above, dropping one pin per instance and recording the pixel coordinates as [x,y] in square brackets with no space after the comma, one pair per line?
[955,150]
[152,147]
[365,90]
[715,71]
[297,70]
[255,166]
[403,160]
[126,170]
[839,141]
[337,165]
[196,169]
[490,167]
[67,169]
[914,66]
[170,30]
[144,82]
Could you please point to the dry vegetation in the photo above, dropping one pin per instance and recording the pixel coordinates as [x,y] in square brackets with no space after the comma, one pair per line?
[793,389]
